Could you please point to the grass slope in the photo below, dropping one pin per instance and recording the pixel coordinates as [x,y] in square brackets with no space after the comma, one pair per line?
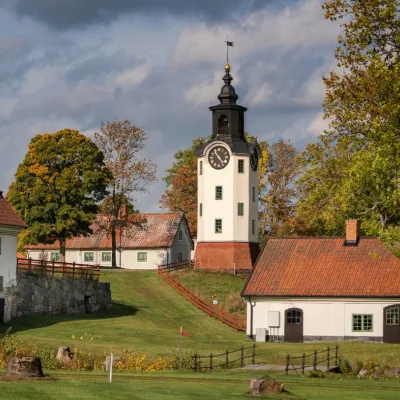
[146,317]
[206,284]
[221,386]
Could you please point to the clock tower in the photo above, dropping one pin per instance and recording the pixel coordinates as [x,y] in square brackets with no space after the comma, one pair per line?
[227,176]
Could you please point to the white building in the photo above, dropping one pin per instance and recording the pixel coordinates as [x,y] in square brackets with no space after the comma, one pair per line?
[227,227]
[158,239]
[10,226]
[325,288]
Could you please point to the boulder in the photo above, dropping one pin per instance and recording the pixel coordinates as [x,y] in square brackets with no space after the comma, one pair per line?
[261,386]
[24,367]
[64,354]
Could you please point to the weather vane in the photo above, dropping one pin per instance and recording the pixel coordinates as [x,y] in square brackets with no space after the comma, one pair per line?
[228,43]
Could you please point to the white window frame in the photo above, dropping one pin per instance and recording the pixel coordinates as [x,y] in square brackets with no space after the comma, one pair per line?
[55,253]
[106,252]
[84,256]
[141,253]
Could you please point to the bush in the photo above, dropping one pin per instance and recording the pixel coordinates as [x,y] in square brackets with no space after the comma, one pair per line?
[235,303]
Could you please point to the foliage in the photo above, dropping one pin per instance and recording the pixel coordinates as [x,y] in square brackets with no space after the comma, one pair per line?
[180,194]
[121,143]
[235,303]
[352,171]
[278,201]
[57,187]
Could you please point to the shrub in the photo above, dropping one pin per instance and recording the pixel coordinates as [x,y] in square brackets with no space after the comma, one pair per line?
[234,303]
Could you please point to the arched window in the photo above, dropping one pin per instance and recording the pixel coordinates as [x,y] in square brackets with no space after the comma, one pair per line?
[223,125]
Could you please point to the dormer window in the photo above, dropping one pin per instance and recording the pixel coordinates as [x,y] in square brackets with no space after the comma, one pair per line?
[223,125]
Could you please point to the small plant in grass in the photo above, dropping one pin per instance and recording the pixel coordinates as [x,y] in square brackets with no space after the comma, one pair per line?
[316,374]
[11,346]
[234,303]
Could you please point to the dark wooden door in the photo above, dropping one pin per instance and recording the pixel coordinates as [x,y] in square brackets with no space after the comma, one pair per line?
[391,324]
[294,325]
[2,304]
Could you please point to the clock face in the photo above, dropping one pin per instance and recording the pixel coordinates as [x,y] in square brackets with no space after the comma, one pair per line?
[218,157]
[254,160]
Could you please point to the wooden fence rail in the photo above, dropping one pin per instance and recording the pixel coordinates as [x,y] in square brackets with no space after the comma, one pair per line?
[212,361]
[58,268]
[203,305]
[329,357]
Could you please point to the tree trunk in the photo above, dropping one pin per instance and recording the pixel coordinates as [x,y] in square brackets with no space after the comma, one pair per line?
[113,244]
[62,249]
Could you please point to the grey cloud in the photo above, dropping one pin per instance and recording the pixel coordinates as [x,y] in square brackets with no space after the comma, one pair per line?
[67,14]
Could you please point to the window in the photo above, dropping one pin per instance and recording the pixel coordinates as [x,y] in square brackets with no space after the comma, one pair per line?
[142,256]
[253,194]
[106,256]
[362,322]
[240,209]
[55,256]
[201,209]
[180,257]
[201,168]
[0,245]
[218,226]
[293,317]
[88,256]
[392,316]
[1,284]
[253,227]
[241,166]
[218,192]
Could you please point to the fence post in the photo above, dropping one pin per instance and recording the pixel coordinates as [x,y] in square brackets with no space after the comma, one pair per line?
[211,366]
[303,363]
[227,359]
[73,269]
[253,360]
[195,361]
[241,356]
[328,351]
[287,364]
[336,355]
[30,263]
[315,360]
[52,272]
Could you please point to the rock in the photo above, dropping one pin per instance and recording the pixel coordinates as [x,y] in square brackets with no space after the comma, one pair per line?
[24,367]
[363,373]
[261,386]
[391,372]
[64,354]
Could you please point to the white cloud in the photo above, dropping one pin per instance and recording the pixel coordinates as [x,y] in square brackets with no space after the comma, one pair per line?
[259,95]
[301,27]
[134,76]
[318,125]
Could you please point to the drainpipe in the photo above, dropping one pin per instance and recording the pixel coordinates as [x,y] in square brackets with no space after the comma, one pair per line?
[251,318]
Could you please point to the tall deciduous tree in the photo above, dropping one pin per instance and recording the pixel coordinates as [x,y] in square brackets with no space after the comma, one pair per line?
[353,170]
[57,187]
[122,143]
[278,202]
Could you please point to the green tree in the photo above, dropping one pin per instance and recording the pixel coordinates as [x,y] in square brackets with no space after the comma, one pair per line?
[353,170]
[58,186]
[122,144]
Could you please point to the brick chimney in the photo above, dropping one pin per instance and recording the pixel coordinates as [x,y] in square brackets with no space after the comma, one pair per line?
[352,232]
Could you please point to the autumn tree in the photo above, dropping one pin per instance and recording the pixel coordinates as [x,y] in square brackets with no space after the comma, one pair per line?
[57,187]
[278,202]
[122,144]
[353,170]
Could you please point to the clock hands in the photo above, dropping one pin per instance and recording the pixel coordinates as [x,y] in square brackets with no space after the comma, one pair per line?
[219,158]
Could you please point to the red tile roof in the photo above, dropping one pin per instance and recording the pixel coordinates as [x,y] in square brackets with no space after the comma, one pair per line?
[155,231]
[8,215]
[323,267]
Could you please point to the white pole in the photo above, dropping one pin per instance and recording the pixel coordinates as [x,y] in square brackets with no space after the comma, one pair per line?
[111,366]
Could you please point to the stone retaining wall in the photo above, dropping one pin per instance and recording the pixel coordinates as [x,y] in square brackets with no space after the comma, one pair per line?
[45,294]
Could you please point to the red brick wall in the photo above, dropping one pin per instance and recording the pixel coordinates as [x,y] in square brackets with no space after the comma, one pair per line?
[221,256]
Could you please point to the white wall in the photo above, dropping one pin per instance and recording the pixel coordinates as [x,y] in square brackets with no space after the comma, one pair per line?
[321,317]
[237,188]
[8,256]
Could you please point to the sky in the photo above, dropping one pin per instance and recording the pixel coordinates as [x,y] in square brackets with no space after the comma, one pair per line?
[159,63]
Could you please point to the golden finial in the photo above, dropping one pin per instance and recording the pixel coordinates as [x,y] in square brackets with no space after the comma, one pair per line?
[227,67]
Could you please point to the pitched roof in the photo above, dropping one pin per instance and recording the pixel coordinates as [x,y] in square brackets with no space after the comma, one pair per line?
[324,267]
[154,231]
[8,215]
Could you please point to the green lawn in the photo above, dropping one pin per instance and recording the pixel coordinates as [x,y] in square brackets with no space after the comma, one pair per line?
[221,386]
[146,317]
[206,284]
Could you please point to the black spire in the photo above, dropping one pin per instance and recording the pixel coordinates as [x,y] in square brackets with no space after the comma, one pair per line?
[228,94]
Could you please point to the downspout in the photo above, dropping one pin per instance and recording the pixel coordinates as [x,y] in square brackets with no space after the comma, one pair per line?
[251,318]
